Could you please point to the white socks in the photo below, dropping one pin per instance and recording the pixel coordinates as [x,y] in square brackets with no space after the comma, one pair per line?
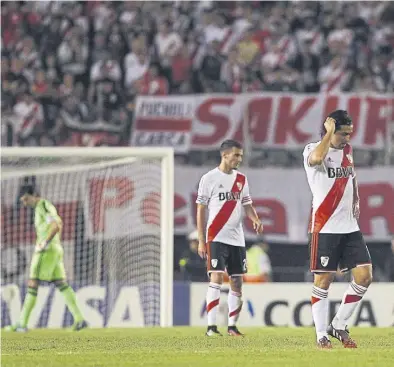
[234,307]
[213,297]
[320,311]
[350,300]
[234,304]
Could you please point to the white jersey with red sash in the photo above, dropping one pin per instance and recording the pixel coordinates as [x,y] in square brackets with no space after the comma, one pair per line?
[331,184]
[224,194]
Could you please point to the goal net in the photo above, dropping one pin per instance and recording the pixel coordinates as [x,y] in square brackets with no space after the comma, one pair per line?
[117,210]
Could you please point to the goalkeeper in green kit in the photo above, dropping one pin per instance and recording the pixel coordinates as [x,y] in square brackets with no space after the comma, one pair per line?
[47,263]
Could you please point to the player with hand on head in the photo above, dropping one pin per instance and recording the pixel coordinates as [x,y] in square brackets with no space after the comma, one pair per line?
[224,191]
[335,240]
[47,262]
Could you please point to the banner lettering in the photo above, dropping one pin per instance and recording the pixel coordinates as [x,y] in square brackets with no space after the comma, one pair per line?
[276,120]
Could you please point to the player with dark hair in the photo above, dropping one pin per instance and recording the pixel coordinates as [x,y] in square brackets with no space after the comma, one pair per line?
[335,240]
[224,190]
[47,262]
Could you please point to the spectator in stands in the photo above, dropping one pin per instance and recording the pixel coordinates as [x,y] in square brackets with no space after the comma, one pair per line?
[73,53]
[27,53]
[230,73]
[51,36]
[191,265]
[340,38]
[181,68]
[229,47]
[116,43]
[335,77]
[51,68]
[99,50]
[18,78]
[258,263]
[105,69]
[310,34]
[152,83]
[307,64]
[136,64]
[41,88]
[382,66]
[211,69]
[29,119]
[167,44]
[248,49]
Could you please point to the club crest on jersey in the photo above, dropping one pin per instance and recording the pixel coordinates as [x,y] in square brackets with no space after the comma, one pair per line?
[324,260]
[214,263]
[239,185]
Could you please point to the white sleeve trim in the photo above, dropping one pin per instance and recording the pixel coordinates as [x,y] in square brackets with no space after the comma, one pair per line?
[202,200]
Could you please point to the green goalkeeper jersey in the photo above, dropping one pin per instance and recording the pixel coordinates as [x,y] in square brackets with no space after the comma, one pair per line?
[45,213]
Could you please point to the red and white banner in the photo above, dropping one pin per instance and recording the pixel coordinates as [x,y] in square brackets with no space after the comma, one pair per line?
[283,200]
[163,122]
[269,119]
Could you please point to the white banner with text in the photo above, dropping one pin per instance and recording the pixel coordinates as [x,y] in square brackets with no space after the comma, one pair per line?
[283,201]
[289,304]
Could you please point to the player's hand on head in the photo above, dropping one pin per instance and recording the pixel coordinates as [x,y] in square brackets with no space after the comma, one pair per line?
[258,227]
[329,124]
[202,249]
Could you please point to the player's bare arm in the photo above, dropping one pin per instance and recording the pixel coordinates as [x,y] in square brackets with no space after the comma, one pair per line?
[252,215]
[317,156]
[356,199]
[201,220]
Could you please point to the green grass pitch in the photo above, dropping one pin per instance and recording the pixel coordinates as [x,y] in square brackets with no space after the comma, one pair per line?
[186,346]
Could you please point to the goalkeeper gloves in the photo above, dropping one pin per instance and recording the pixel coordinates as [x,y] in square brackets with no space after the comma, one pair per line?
[42,246]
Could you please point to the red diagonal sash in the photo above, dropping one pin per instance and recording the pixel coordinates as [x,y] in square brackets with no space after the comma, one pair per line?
[226,210]
[334,196]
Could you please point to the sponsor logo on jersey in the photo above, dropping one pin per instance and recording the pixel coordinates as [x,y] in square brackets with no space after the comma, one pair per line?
[229,196]
[340,172]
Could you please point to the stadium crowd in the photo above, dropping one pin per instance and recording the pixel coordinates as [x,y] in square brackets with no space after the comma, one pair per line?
[75,65]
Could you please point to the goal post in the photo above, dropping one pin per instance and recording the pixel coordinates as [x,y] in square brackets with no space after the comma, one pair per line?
[125,237]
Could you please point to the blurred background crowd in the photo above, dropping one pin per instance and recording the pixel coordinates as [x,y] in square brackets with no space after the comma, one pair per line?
[71,72]
[69,66]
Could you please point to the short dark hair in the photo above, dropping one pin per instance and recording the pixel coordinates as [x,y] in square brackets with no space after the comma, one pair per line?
[229,144]
[341,117]
[28,189]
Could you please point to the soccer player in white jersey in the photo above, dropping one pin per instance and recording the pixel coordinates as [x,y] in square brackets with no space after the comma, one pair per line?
[224,190]
[335,240]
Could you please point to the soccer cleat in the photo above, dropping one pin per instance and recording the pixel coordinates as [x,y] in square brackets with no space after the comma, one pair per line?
[233,331]
[16,328]
[213,331]
[324,343]
[343,336]
[80,325]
